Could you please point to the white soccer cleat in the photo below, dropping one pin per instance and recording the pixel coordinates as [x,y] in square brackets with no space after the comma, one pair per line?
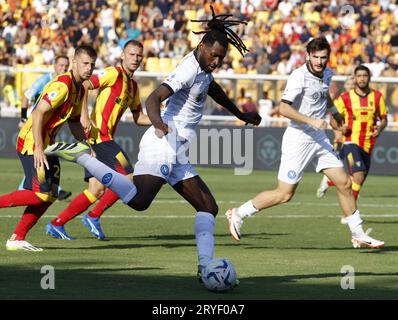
[323,187]
[365,241]
[68,151]
[15,245]
[235,223]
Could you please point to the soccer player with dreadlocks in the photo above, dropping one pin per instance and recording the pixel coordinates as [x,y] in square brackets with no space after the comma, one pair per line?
[162,156]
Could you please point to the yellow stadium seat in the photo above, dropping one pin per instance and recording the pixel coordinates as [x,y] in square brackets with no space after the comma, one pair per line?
[165,65]
[152,64]
[235,54]
[38,59]
[174,63]
[190,14]
[192,26]
[23,80]
[262,16]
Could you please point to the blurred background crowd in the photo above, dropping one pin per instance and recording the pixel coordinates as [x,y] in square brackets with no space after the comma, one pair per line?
[33,32]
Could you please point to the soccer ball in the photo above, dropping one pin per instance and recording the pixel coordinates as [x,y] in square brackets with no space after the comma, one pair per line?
[219,275]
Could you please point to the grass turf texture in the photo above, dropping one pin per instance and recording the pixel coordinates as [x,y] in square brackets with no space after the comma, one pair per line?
[294,251]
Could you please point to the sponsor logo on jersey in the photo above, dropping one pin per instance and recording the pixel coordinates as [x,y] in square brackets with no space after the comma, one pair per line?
[52,95]
[101,73]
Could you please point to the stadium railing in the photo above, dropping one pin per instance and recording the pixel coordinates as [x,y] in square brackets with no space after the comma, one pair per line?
[255,84]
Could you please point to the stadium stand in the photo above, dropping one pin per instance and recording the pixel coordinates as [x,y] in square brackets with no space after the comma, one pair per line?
[33,32]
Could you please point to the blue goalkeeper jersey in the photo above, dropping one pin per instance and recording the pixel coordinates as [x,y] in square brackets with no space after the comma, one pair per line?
[34,92]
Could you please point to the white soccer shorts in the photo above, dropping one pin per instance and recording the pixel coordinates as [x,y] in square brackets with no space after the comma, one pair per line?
[297,155]
[165,158]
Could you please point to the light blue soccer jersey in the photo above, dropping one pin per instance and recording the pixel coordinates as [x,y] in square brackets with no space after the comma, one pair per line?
[33,93]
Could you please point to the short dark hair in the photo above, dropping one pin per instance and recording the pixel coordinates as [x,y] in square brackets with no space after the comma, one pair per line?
[134,43]
[361,67]
[318,44]
[62,56]
[86,50]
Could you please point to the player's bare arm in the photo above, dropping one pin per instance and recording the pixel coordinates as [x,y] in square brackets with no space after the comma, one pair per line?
[338,117]
[37,127]
[381,127]
[342,129]
[289,112]
[85,120]
[141,119]
[219,96]
[153,109]
[76,128]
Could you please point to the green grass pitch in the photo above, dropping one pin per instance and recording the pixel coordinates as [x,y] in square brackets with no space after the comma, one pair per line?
[294,251]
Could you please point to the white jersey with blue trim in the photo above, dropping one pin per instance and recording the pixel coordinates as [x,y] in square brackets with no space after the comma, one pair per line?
[185,107]
[308,94]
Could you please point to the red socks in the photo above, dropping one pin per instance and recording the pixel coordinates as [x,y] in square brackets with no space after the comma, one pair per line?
[106,201]
[356,193]
[31,215]
[19,198]
[78,205]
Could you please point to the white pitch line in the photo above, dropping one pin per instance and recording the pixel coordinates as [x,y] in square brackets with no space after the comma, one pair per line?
[264,216]
[310,204]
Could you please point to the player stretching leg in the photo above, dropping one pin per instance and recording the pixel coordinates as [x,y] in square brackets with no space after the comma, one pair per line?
[162,156]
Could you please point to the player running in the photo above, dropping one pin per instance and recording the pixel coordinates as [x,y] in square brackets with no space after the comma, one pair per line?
[365,117]
[117,92]
[60,101]
[305,102]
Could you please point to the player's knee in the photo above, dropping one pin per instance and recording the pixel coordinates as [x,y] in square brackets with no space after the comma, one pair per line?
[97,191]
[138,205]
[210,207]
[285,197]
[213,209]
[345,185]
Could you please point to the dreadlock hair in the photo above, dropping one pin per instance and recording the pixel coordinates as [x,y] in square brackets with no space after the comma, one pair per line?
[218,29]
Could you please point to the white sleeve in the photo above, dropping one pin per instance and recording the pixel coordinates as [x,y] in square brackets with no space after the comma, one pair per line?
[182,77]
[294,86]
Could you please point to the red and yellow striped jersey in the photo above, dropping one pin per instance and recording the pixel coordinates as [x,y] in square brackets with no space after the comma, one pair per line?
[360,115]
[65,99]
[117,92]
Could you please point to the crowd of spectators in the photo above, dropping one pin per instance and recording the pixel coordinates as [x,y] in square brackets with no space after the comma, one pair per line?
[33,32]
[38,30]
